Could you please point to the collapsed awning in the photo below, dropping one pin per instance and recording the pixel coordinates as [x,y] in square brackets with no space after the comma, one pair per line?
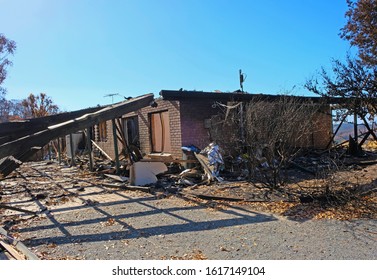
[39,134]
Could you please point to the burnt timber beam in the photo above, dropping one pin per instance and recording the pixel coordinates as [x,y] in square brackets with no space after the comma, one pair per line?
[336,131]
[7,165]
[115,139]
[368,127]
[41,138]
[10,131]
[89,148]
[11,163]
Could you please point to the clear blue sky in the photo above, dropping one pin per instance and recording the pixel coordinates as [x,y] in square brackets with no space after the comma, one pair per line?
[78,51]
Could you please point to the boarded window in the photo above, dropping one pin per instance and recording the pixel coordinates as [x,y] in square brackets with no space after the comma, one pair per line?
[160,132]
[131,131]
[102,132]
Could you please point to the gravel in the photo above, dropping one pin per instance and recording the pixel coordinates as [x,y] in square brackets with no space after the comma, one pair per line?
[139,228]
[86,220]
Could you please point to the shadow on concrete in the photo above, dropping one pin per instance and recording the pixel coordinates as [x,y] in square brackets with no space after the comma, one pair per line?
[180,222]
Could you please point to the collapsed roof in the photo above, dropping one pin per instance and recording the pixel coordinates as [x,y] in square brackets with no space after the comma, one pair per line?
[20,140]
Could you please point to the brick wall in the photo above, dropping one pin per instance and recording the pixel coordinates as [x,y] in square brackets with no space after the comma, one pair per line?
[173,107]
[108,144]
[320,131]
[187,127]
[322,128]
[193,115]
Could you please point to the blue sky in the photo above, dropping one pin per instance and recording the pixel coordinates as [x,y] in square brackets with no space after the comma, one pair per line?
[79,51]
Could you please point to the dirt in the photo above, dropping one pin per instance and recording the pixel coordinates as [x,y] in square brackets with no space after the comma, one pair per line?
[78,217]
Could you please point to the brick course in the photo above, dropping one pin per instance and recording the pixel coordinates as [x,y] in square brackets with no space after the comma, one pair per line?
[173,107]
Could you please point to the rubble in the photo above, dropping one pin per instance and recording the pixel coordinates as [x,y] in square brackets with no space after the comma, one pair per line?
[46,187]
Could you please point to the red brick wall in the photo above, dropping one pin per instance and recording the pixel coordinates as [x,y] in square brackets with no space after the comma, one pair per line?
[193,115]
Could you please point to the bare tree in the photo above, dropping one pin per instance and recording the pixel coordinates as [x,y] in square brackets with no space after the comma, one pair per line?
[41,105]
[5,108]
[7,47]
[353,83]
[274,133]
[353,86]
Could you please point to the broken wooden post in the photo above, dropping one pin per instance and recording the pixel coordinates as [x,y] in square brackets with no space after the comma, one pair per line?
[49,151]
[208,170]
[89,148]
[73,163]
[59,152]
[117,165]
[18,244]
[353,147]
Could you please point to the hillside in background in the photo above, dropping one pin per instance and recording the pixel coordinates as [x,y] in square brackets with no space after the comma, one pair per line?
[346,130]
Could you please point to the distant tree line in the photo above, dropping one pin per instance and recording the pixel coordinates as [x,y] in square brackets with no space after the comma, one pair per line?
[34,106]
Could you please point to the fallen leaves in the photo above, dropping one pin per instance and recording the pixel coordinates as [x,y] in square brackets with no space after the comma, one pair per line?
[297,211]
[345,195]
[194,255]
[110,222]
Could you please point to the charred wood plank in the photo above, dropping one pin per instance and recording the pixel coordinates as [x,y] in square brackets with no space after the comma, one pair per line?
[336,131]
[11,163]
[365,138]
[370,130]
[18,245]
[298,166]
[15,254]
[8,165]
[214,197]
[10,131]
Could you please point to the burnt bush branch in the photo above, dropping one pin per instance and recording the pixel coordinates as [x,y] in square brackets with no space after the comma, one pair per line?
[263,137]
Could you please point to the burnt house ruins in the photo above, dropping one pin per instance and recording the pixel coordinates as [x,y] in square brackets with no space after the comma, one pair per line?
[19,141]
[183,118]
[157,127]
